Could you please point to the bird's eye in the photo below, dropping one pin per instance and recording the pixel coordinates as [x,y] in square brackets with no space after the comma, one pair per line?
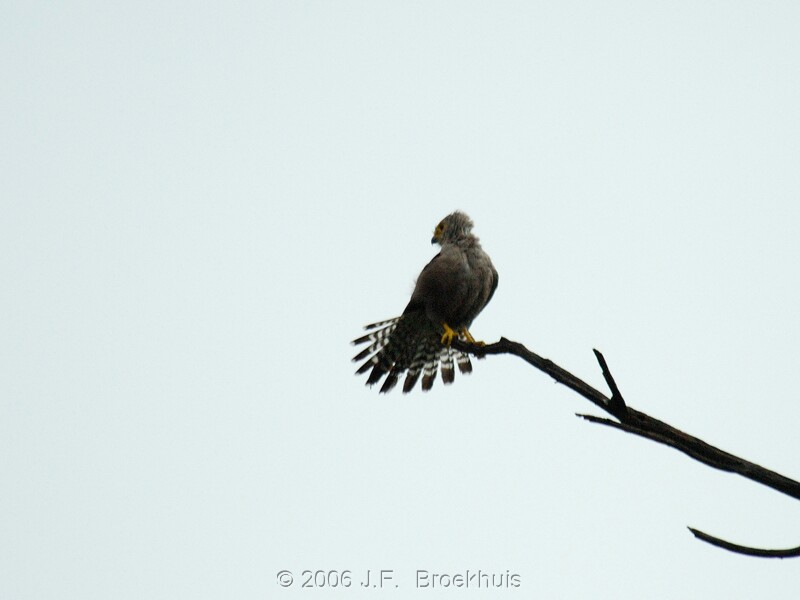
[439,228]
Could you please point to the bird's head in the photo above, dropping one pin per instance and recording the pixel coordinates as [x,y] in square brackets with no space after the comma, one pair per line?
[453,227]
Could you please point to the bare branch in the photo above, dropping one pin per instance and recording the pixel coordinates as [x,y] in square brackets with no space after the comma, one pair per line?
[641,424]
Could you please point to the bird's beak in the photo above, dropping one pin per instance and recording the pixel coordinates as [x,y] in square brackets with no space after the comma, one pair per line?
[434,240]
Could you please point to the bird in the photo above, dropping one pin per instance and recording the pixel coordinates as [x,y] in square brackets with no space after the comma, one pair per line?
[452,289]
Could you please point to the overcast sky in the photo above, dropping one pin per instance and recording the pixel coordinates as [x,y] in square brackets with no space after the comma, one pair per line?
[203,203]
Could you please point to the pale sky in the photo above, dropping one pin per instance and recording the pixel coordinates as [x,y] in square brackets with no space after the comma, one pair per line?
[203,203]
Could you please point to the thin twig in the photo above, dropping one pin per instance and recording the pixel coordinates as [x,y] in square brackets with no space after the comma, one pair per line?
[714,541]
[617,402]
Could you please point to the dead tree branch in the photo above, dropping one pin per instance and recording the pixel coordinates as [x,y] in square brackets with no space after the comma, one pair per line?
[643,425]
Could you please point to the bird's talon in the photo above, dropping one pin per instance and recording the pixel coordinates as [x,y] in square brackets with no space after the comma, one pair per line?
[468,336]
[449,335]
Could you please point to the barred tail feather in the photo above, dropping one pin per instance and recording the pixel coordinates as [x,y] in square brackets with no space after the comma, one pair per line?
[426,347]
[377,338]
[464,364]
[411,380]
[378,333]
[390,348]
[381,324]
[448,369]
[379,369]
[391,379]
[429,372]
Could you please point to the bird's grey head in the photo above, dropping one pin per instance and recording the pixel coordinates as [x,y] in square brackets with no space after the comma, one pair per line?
[453,228]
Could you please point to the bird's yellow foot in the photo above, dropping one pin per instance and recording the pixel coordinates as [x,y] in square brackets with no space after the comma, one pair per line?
[465,332]
[449,335]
